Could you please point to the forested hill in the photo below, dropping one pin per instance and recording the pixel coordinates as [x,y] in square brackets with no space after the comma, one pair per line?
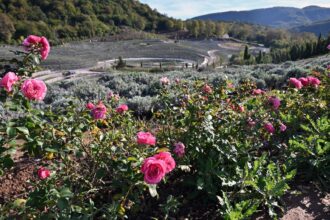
[284,17]
[72,19]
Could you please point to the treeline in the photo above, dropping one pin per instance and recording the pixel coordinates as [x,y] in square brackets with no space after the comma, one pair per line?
[301,51]
[293,52]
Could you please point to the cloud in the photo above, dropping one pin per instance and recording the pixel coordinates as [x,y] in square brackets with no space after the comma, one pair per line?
[191,8]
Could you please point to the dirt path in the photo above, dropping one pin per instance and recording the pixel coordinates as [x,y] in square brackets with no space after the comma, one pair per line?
[209,60]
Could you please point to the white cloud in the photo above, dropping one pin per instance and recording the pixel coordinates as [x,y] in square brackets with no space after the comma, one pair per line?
[191,8]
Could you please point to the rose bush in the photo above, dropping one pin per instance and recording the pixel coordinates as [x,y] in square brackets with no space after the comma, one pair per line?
[236,150]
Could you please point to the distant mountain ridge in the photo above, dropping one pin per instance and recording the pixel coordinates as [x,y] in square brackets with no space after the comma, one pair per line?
[279,17]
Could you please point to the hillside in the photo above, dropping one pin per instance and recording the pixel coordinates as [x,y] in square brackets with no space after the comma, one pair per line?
[322,27]
[73,19]
[283,17]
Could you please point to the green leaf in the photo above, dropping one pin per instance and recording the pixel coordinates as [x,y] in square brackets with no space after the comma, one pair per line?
[24,130]
[100,173]
[62,204]
[52,150]
[11,132]
[66,193]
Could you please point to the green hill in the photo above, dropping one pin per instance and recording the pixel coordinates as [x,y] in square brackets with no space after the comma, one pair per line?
[320,27]
[76,19]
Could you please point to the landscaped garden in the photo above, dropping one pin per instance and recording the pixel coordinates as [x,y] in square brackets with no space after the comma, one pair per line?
[206,151]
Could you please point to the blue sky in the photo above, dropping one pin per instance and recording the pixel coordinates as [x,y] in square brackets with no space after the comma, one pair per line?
[191,8]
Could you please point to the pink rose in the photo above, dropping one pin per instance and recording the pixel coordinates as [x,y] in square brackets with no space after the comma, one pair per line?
[99,111]
[257,92]
[179,149]
[283,127]
[241,108]
[8,81]
[43,173]
[154,170]
[122,108]
[328,47]
[31,40]
[251,123]
[313,81]
[113,96]
[37,43]
[164,81]
[146,138]
[168,159]
[90,106]
[304,81]
[230,85]
[296,83]
[45,48]
[269,128]
[34,89]
[275,102]
[207,89]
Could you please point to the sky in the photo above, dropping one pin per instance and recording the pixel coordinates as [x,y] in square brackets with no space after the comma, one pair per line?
[191,8]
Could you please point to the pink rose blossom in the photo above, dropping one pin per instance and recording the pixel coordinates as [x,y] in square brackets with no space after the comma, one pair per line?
[179,149]
[168,159]
[99,111]
[296,83]
[230,85]
[113,96]
[154,170]
[207,89]
[31,40]
[269,128]
[122,108]
[40,44]
[257,92]
[241,108]
[164,81]
[146,138]
[34,89]
[275,102]
[313,81]
[304,81]
[251,123]
[43,173]
[90,106]
[283,127]
[8,81]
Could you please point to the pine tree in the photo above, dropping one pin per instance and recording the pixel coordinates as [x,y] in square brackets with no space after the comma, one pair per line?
[259,57]
[246,53]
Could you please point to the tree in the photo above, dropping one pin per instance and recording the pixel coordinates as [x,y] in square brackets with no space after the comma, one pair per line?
[246,55]
[259,57]
[210,28]
[179,25]
[7,28]
[219,29]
